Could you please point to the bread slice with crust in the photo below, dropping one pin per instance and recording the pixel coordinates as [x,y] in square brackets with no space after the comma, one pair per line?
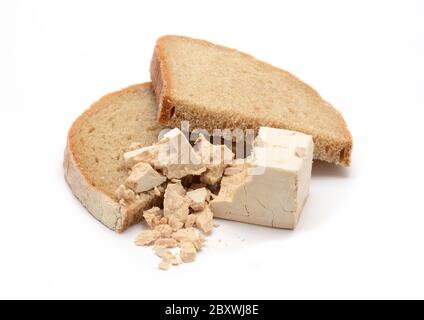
[216,87]
[95,143]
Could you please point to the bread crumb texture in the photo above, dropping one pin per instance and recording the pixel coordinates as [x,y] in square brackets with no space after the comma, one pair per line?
[121,121]
[212,86]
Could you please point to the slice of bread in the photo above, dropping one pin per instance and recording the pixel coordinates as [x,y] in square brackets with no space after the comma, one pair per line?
[96,140]
[216,87]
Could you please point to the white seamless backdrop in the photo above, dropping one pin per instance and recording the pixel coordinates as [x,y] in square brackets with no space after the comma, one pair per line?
[361,232]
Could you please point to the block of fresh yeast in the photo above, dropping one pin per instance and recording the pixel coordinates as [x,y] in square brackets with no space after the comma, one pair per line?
[271,186]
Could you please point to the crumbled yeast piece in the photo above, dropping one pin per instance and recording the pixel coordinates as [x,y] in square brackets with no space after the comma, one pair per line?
[188,252]
[120,191]
[176,186]
[143,178]
[204,220]
[160,250]
[167,257]
[178,171]
[191,221]
[147,154]
[175,202]
[200,242]
[147,237]
[165,230]
[165,238]
[189,235]
[166,243]
[178,159]
[212,154]
[171,257]
[175,223]
[217,157]
[176,261]
[164,264]
[152,217]
[173,149]
[198,198]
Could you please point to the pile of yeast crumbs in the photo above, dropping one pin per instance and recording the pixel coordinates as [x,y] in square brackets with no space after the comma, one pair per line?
[186,178]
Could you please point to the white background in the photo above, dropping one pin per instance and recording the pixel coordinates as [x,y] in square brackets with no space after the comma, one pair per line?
[361,234]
